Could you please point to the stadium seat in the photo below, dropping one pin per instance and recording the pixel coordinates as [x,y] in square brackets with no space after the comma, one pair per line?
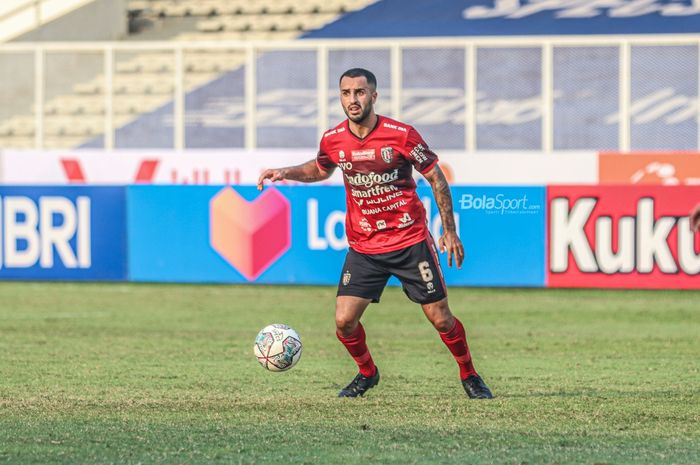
[21,126]
[69,126]
[138,6]
[17,142]
[211,25]
[307,7]
[92,87]
[138,104]
[241,23]
[158,7]
[154,63]
[280,7]
[201,62]
[142,84]
[176,9]
[61,142]
[130,66]
[75,105]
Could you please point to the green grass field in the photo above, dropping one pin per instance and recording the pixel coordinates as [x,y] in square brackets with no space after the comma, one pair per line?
[127,374]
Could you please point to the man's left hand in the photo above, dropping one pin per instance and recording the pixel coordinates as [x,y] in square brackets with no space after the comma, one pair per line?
[451,243]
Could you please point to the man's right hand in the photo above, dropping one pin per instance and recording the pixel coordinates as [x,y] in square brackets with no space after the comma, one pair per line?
[271,174]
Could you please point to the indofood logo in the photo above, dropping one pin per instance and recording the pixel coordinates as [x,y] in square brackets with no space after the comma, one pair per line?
[250,236]
[500,204]
[372,178]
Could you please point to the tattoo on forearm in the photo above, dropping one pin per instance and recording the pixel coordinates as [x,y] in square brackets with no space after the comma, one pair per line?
[306,172]
[443,197]
[307,177]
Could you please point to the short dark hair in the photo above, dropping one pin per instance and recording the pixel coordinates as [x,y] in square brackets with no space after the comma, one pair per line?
[357,72]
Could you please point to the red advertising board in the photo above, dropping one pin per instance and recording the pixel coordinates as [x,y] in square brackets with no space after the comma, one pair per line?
[622,237]
[663,168]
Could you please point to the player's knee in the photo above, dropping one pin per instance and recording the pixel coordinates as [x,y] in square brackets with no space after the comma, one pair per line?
[344,325]
[440,315]
[443,323]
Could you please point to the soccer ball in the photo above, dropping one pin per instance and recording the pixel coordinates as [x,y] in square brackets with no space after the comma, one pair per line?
[277,347]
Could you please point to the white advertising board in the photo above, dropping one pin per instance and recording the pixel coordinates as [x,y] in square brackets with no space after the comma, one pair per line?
[144,167]
[236,166]
[520,168]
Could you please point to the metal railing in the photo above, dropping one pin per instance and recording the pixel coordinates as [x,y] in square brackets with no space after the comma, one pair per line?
[523,93]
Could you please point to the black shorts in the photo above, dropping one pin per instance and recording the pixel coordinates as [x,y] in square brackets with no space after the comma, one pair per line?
[416,266]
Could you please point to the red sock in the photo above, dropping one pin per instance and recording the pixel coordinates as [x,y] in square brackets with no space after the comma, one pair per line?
[356,345]
[456,340]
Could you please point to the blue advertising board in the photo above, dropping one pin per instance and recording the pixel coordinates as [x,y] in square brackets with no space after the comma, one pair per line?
[170,234]
[503,232]
[63,233]
[295,234]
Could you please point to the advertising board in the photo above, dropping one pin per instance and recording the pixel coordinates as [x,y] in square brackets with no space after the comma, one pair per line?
[622,237]
[240,167]
[661,168]
[63,233]
[296,235]
[120,167]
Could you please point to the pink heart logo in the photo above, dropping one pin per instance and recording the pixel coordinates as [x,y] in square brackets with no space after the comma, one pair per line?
[250,236]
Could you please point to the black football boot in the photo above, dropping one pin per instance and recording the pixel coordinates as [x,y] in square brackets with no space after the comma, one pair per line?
[476,388]
[360,385]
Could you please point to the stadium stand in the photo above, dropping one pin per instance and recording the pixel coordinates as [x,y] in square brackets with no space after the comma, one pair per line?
[479,83]
[143,81]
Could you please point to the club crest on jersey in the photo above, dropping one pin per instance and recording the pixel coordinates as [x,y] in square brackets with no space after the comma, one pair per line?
[346,278]
[361,155]
[387,154]
[341,155]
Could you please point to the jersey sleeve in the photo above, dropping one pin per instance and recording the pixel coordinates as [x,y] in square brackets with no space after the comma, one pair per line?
[418,153]
[323,160]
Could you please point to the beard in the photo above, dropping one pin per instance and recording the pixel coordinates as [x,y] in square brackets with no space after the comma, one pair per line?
[362,116]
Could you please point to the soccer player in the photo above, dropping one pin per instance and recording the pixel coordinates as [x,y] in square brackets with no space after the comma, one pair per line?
[386,226]
[695,218]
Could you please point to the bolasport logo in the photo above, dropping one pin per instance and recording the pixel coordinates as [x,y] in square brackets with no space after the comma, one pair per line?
[500,204]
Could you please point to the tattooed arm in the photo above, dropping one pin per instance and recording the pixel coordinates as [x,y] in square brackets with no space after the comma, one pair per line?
[449,241]
[306,172]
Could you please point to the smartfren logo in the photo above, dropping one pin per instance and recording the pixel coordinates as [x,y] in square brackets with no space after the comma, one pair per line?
[32,230]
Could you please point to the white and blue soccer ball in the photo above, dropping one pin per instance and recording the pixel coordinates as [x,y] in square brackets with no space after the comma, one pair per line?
[277,347]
